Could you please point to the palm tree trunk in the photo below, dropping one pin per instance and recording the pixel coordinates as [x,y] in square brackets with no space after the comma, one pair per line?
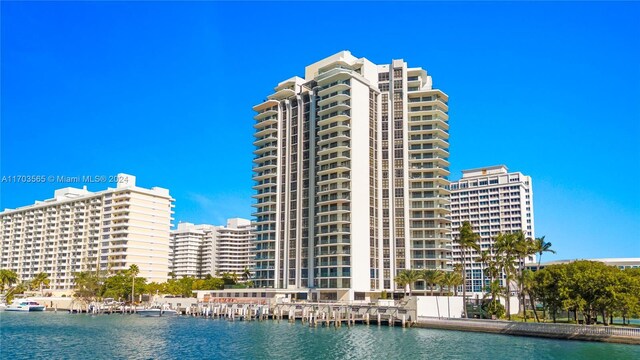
[464,284]
[533,307]
[508,297]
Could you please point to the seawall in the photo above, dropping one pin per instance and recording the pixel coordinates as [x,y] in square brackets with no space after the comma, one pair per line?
[610,334]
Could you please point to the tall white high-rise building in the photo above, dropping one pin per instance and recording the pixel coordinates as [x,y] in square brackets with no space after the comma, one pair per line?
[351,174]
[79,230]
[494,201]
[201,250]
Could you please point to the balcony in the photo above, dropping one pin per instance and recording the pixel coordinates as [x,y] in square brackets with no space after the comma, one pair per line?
[265,174]
[263,140]
[334,96]
[339,106]
[282,94]
[265,148]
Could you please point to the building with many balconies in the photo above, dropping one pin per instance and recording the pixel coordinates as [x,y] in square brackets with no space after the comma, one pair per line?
[351,179]
[78,230]
[201,250]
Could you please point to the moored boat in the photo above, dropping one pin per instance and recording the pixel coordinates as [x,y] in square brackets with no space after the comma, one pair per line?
[24,305]
[157,311]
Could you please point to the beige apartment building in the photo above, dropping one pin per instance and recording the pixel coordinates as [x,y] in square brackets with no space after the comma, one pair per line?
[79,230]
[350,170]
[201,250]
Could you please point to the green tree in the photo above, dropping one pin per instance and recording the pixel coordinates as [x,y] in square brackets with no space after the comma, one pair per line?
[551,287]
[133,273]
[154,288]
[468,240]
[7,278]
[484,258]
[627,299]
[246,274]
[117,286]
[19,288]
[87,285]
[527,282]
[495,291]
[432,278]
[407,278]
[541,246]
[39,282]
[524,248]
[458,269]
[230,278]
[507,249]
[214,284]
[182,287]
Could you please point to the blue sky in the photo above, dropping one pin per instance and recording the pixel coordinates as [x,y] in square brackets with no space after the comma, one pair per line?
[164,91]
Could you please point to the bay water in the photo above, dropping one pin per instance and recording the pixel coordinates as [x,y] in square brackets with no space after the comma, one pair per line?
[61,335]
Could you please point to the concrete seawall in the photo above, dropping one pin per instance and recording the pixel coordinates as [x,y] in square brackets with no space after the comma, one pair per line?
[611,334]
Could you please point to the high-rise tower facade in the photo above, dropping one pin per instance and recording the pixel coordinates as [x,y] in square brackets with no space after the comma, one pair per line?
[494,201]
[201,250]
[350,175]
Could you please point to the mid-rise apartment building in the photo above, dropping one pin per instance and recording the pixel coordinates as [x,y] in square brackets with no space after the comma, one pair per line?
[494,201]
[79,230]
[351,174]
[201,250]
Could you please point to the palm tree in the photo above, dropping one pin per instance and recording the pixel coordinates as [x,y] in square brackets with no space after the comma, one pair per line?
[541,247]
[133,272]
[8,278]
[40,281]
[507,249]
[246,273]
[449,279]
[484,258]
[18,289]
[407,278]
[432,278]
[87,285]
[494,290]
[458,270]
[524,247]
[467,240]
[528,282]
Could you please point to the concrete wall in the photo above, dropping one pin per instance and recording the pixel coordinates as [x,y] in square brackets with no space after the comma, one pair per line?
[439,306]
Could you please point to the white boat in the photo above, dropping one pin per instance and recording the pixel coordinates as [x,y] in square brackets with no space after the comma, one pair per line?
[24,305]
[157,310]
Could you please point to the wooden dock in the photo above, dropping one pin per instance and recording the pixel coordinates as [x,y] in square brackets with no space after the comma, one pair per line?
[310,314]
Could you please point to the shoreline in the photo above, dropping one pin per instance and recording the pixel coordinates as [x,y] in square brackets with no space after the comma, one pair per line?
[551,331]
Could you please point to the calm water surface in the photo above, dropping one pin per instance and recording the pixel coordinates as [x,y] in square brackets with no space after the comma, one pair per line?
[64,336]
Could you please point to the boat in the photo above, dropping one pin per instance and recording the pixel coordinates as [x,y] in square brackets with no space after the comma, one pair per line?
[157,310]
[24,305]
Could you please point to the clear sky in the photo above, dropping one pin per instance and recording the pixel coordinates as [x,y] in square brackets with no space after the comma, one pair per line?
[164,91]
